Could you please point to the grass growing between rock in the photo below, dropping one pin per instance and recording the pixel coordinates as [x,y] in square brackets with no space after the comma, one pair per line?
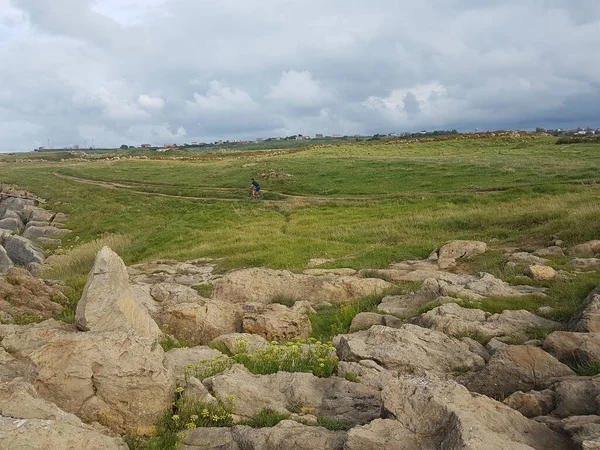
[265,418]
[587,369]
[168,342]
[332,424]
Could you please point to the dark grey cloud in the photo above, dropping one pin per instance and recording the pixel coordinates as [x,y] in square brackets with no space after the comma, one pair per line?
[191,70]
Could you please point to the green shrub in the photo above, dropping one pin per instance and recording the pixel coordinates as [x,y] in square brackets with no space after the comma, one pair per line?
[169,342]
[331,423]
[351,376]
[207,367]
[265,418]
[588,369]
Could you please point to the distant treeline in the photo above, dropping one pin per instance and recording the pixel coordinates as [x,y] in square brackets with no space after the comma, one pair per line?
[593,139]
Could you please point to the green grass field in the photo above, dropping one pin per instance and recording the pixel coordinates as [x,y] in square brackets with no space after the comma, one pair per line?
[365,204]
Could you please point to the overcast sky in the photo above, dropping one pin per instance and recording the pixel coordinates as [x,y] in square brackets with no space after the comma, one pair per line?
[158,71]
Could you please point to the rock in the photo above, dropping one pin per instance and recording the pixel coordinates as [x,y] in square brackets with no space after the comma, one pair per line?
[555,250]
[351,403]
[545,310]
[407,305]
[576,397]
[303,307]
[587,317]
[200,323]
[178,359]
[4,234]
[476,348]
[259,285]
[32,213]
[316,262]
[15,203]
[364,321]
[174,293]
[368,372]
[235,343]
[25,339]
[12,224]
[190,273]
[12,367]
[490,286]
[197,392]
[60,218]
[584,262]
[108,302]
[10,214]
[540,272]
[24,298]
[516,368]
[495,345]
[275,322]
[5,263]
[533,403]
[37,224]
[409,350]
[527,258]
[114,378]
[48,241]
[35,434]
[38,232]
[573,348]
[443,414]
[448,253]
[455,320]
[22,251]
[286,435]
[589,248]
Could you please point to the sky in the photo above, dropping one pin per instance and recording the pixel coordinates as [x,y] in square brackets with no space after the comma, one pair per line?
[112,72]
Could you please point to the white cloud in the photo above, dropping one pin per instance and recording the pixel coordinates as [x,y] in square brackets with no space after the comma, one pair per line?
[220,98]
[299,89]
[148,102]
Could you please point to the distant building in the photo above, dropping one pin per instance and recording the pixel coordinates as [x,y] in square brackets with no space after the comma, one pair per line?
[170,145]
[336,135]
[318,136]
[145,145]
[259,139]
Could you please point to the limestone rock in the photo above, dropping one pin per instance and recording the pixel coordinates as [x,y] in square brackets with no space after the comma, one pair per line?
[22,251]
[408,304]
[409,350]
[584,262]
[587,317]
[576,396]
[35,434]
[33,213]
[540,272]
[495,345]
[174,293]
[259,285]
[200,323]
[209,439]
[114,378]
[38,232]
[5,263]
[12,224]
[351,403]
[108,302]
[453,319]
[275,322]
[589,248]
[476,347]
[25,339]
[22,295]
[516,368]
[365,320]
[235,343]
[197,392]
[177,359]
[527,258]
[48,241]
[533,403]
[443,414]
[575,348]
[448,253]
[554,250]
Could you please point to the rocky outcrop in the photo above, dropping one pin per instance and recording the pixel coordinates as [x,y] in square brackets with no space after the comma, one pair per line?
[447,254]
[587,317]
[589,248]
[428,414]
[573,348]
[259,285]
[114,378]
[516,368]
[351,403]
[24,339]
[286,435]
[23,252]
[576,396]
[108,302]
[409,350]
[275,322]
[235,343]
[455,320]
[23,296]
[540,273]
[178,360]
[527,258]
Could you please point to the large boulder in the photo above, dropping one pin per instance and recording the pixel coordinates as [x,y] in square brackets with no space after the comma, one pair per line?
[351,403]
[174,293]
[108,302]
[427,414]
[584,262]
[286,435]
[24,297]
[516,368]
[576,396]
[587,317]
[275,322]
[573,348]
[114,378]
[455,320]
[46,232]
[25,339]
[589,248]
[259,285]
[541,273]
[22,251]
[406,305]
[409,350]
[200,322]
[5,262]
[527,258]
[533,403]
[32,213]
[12,224]
[448,253]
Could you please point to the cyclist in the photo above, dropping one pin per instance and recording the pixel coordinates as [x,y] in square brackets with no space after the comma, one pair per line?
[255,187]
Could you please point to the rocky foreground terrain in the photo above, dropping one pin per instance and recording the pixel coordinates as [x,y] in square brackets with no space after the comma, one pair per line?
[413,375]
